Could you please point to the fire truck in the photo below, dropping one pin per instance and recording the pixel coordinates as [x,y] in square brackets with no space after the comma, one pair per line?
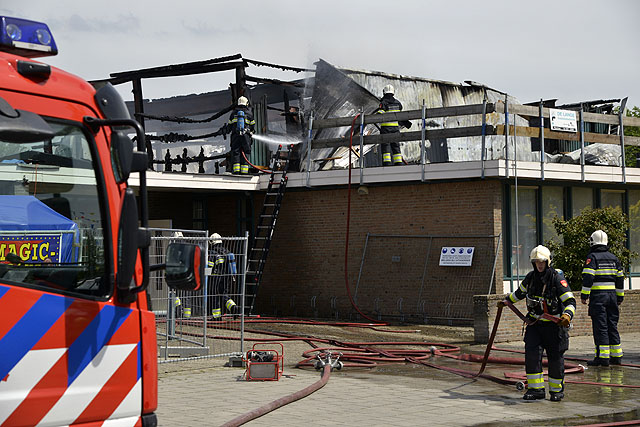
[77,337]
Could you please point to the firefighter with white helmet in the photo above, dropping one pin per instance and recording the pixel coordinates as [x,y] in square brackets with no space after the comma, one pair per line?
[223,265]
[603,288]
[389,104]
[545,291]
[241,125]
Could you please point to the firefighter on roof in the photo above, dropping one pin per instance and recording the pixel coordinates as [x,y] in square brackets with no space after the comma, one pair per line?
[223,265]
[602,286]
[546,291]
[241,125]
[389,104]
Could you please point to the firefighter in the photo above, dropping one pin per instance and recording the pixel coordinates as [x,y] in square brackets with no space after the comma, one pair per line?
[389,104]
[241,125]
[223,265]
[602,286]
[545,291]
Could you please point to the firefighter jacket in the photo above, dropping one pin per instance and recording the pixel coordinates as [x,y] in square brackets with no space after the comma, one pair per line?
[224,262]
[388,104]
[241,140]
[602,272]
[545,292]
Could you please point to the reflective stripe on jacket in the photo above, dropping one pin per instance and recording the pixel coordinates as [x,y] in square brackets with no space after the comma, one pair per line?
[388,104]
[602,272]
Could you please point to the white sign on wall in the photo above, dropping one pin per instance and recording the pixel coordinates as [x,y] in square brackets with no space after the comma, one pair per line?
[563,120]
[456,256]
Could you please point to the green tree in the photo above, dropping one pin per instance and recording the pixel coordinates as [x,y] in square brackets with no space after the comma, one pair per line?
[631,152]
[570,255]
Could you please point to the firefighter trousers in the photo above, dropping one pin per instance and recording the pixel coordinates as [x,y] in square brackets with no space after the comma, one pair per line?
[240,147]
[391,154]
[549,337]
[604,313]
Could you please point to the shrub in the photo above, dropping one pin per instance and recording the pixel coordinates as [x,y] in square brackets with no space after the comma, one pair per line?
[575,232]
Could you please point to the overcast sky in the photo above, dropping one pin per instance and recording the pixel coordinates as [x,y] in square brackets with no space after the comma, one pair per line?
[573,50]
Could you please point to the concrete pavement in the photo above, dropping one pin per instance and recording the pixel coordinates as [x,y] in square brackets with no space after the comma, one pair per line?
[203,393]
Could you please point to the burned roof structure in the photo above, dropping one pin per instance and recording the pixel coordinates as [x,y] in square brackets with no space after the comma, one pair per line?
[343,92]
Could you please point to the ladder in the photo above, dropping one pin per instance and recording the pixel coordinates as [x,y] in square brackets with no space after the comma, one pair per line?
[261,241]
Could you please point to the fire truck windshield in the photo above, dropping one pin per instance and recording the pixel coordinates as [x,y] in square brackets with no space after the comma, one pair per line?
[51,221]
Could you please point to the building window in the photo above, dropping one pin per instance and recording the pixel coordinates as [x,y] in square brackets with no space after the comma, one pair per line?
[582,198]
[552,206]
[634,227]
[612,198]
[524,222]
[199,217]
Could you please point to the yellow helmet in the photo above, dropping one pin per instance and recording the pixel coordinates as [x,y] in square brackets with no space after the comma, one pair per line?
[540,253]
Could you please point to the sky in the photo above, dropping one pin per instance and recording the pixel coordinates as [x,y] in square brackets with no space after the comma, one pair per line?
[572,50]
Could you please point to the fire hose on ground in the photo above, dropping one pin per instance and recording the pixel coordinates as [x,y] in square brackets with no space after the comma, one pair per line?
[373,354]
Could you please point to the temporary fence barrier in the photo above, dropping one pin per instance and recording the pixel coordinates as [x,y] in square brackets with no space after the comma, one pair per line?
[188,323]
[431,284]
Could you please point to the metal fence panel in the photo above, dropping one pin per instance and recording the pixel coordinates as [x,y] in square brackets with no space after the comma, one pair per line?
[422,289]
[184,323]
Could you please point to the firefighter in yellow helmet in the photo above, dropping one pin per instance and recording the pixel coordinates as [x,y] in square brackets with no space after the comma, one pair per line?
[241,125]
[546,291]
[389,104]
[602,286]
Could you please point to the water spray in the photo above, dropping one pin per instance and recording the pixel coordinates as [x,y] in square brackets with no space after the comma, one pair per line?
[276,140]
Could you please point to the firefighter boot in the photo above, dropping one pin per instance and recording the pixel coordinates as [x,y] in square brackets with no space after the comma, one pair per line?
[556,396]
[534,394]
[616,361]
[598,361]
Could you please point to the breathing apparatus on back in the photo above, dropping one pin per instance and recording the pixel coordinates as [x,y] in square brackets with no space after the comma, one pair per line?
[240,123]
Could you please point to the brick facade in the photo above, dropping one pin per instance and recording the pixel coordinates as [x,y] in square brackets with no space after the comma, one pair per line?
[308,248]
[510,327]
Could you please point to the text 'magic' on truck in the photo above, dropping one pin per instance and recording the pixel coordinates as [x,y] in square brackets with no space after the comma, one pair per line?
[77,337]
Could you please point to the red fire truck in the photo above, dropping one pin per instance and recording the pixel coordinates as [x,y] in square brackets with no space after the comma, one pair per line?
[77,339]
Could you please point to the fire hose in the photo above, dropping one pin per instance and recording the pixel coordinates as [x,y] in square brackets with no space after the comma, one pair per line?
[372,354]
[254,166]
[265,409]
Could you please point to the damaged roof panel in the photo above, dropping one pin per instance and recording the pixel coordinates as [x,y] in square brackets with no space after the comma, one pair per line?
[346,99]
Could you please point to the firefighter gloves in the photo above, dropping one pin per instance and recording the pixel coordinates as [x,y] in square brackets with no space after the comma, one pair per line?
[565,320]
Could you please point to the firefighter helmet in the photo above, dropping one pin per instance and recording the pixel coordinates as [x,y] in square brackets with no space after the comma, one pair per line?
[388,89]
[243,101]
[598,237]
[177,235]
[215,239]
[540,253]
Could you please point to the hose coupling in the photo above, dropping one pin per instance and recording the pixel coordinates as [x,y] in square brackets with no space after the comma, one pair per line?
[328,360]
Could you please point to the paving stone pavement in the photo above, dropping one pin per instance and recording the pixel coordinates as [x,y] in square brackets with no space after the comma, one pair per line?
[197,394]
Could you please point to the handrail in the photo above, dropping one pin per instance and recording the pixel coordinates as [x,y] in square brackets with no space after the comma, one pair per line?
[461,132]
[465,110]
[457,110]
[534,111]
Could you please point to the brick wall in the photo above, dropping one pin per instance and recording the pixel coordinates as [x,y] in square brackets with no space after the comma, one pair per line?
[510,327]
[308,249]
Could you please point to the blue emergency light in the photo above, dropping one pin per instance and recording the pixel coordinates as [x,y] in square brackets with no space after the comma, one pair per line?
[26,38]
